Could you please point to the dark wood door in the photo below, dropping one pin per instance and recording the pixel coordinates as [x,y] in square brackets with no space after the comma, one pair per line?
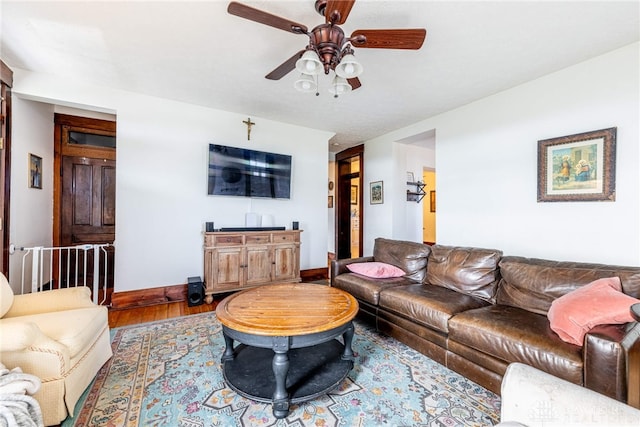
[84,198]
[88,217]
[88,200]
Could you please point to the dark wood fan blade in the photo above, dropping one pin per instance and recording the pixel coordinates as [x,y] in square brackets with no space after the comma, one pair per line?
[343,7]
[410,38]
[247,12]
[285,68]
[354,83]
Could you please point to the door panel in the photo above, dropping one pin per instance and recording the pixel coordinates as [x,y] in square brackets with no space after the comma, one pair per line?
[285,262]
[227,265]
[258,266]
[88,200]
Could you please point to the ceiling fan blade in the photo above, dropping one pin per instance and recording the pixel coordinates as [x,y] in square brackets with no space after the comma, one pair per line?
[247,12]
[285,68]
[354,83]
[410,38]
[343,7]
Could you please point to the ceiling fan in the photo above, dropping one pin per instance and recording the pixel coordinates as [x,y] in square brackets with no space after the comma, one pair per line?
[328,48]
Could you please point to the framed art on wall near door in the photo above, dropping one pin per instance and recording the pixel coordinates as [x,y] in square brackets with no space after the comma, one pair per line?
[354,195]
[35,171]
[376,193]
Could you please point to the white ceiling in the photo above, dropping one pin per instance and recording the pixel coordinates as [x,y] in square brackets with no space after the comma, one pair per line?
[197,53]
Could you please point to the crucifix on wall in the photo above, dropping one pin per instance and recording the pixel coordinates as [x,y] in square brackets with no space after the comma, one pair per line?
[249,123]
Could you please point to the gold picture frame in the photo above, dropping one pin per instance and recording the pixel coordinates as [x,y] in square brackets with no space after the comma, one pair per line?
[354,195]
[35,171]
[580,167]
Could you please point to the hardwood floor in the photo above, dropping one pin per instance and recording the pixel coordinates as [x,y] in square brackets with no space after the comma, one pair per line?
[131,316]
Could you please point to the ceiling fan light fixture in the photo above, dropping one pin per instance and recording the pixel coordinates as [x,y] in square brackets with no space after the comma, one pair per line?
[305,83]
[309,63]
[349,67]
[339,86]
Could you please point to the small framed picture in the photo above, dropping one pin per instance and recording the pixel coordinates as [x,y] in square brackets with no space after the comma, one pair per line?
[35,171]
[354,195]
[432,200]
[376,193]
[330,202]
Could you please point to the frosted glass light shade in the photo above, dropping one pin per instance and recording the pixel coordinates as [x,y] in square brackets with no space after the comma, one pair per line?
[339,86]
[349,67]
[309,63]
[305,83]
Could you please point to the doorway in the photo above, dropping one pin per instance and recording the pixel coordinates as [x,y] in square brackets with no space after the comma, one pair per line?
[429,207]
[84,190]
[349,212]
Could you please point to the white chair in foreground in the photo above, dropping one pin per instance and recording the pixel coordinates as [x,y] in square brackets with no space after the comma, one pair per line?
[60,336]
[534,398]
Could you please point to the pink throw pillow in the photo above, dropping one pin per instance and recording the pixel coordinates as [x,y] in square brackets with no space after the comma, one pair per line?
[376,270]
[601,302]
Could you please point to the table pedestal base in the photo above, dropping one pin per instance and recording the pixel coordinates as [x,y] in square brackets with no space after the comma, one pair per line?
[312,372]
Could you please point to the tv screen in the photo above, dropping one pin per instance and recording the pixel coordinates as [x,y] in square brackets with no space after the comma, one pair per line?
[248,173]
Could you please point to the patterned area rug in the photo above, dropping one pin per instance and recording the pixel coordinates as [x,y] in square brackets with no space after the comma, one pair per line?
[168,373]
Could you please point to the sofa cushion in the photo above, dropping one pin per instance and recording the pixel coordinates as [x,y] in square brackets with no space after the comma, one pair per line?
[364,288]
[471,271]
[6,295]
[533,284]
[411,257]
[432,306]
[74,329]
[376,270]
[512,335]
[599,303]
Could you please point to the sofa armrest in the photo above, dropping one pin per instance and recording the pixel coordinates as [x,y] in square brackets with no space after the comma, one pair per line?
[339,266]
[50,301]
[606,356]
[535,398]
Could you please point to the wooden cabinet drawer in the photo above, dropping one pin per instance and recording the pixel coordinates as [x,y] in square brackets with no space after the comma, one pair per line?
[258,238]
[228,240]
[282,237]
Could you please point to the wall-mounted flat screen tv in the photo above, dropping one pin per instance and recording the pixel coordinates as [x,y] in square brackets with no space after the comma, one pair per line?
[248,173]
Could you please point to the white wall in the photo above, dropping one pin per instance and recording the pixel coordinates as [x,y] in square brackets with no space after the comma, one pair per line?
[31,214]
[396,217]
[487,165]
[161,181]
[331,212]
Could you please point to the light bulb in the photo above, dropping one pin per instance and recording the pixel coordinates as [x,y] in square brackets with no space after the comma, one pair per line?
[348,68]
[310,66]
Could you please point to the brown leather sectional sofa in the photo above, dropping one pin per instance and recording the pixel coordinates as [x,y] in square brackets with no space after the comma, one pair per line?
[476,311]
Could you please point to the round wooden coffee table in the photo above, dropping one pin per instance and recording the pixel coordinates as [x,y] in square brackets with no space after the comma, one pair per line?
[287,352]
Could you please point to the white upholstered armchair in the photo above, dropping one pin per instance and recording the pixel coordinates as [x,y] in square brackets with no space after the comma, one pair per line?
[532,398]
[60,336]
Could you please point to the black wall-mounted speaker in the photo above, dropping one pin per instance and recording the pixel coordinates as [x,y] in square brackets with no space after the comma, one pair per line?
[195,291]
